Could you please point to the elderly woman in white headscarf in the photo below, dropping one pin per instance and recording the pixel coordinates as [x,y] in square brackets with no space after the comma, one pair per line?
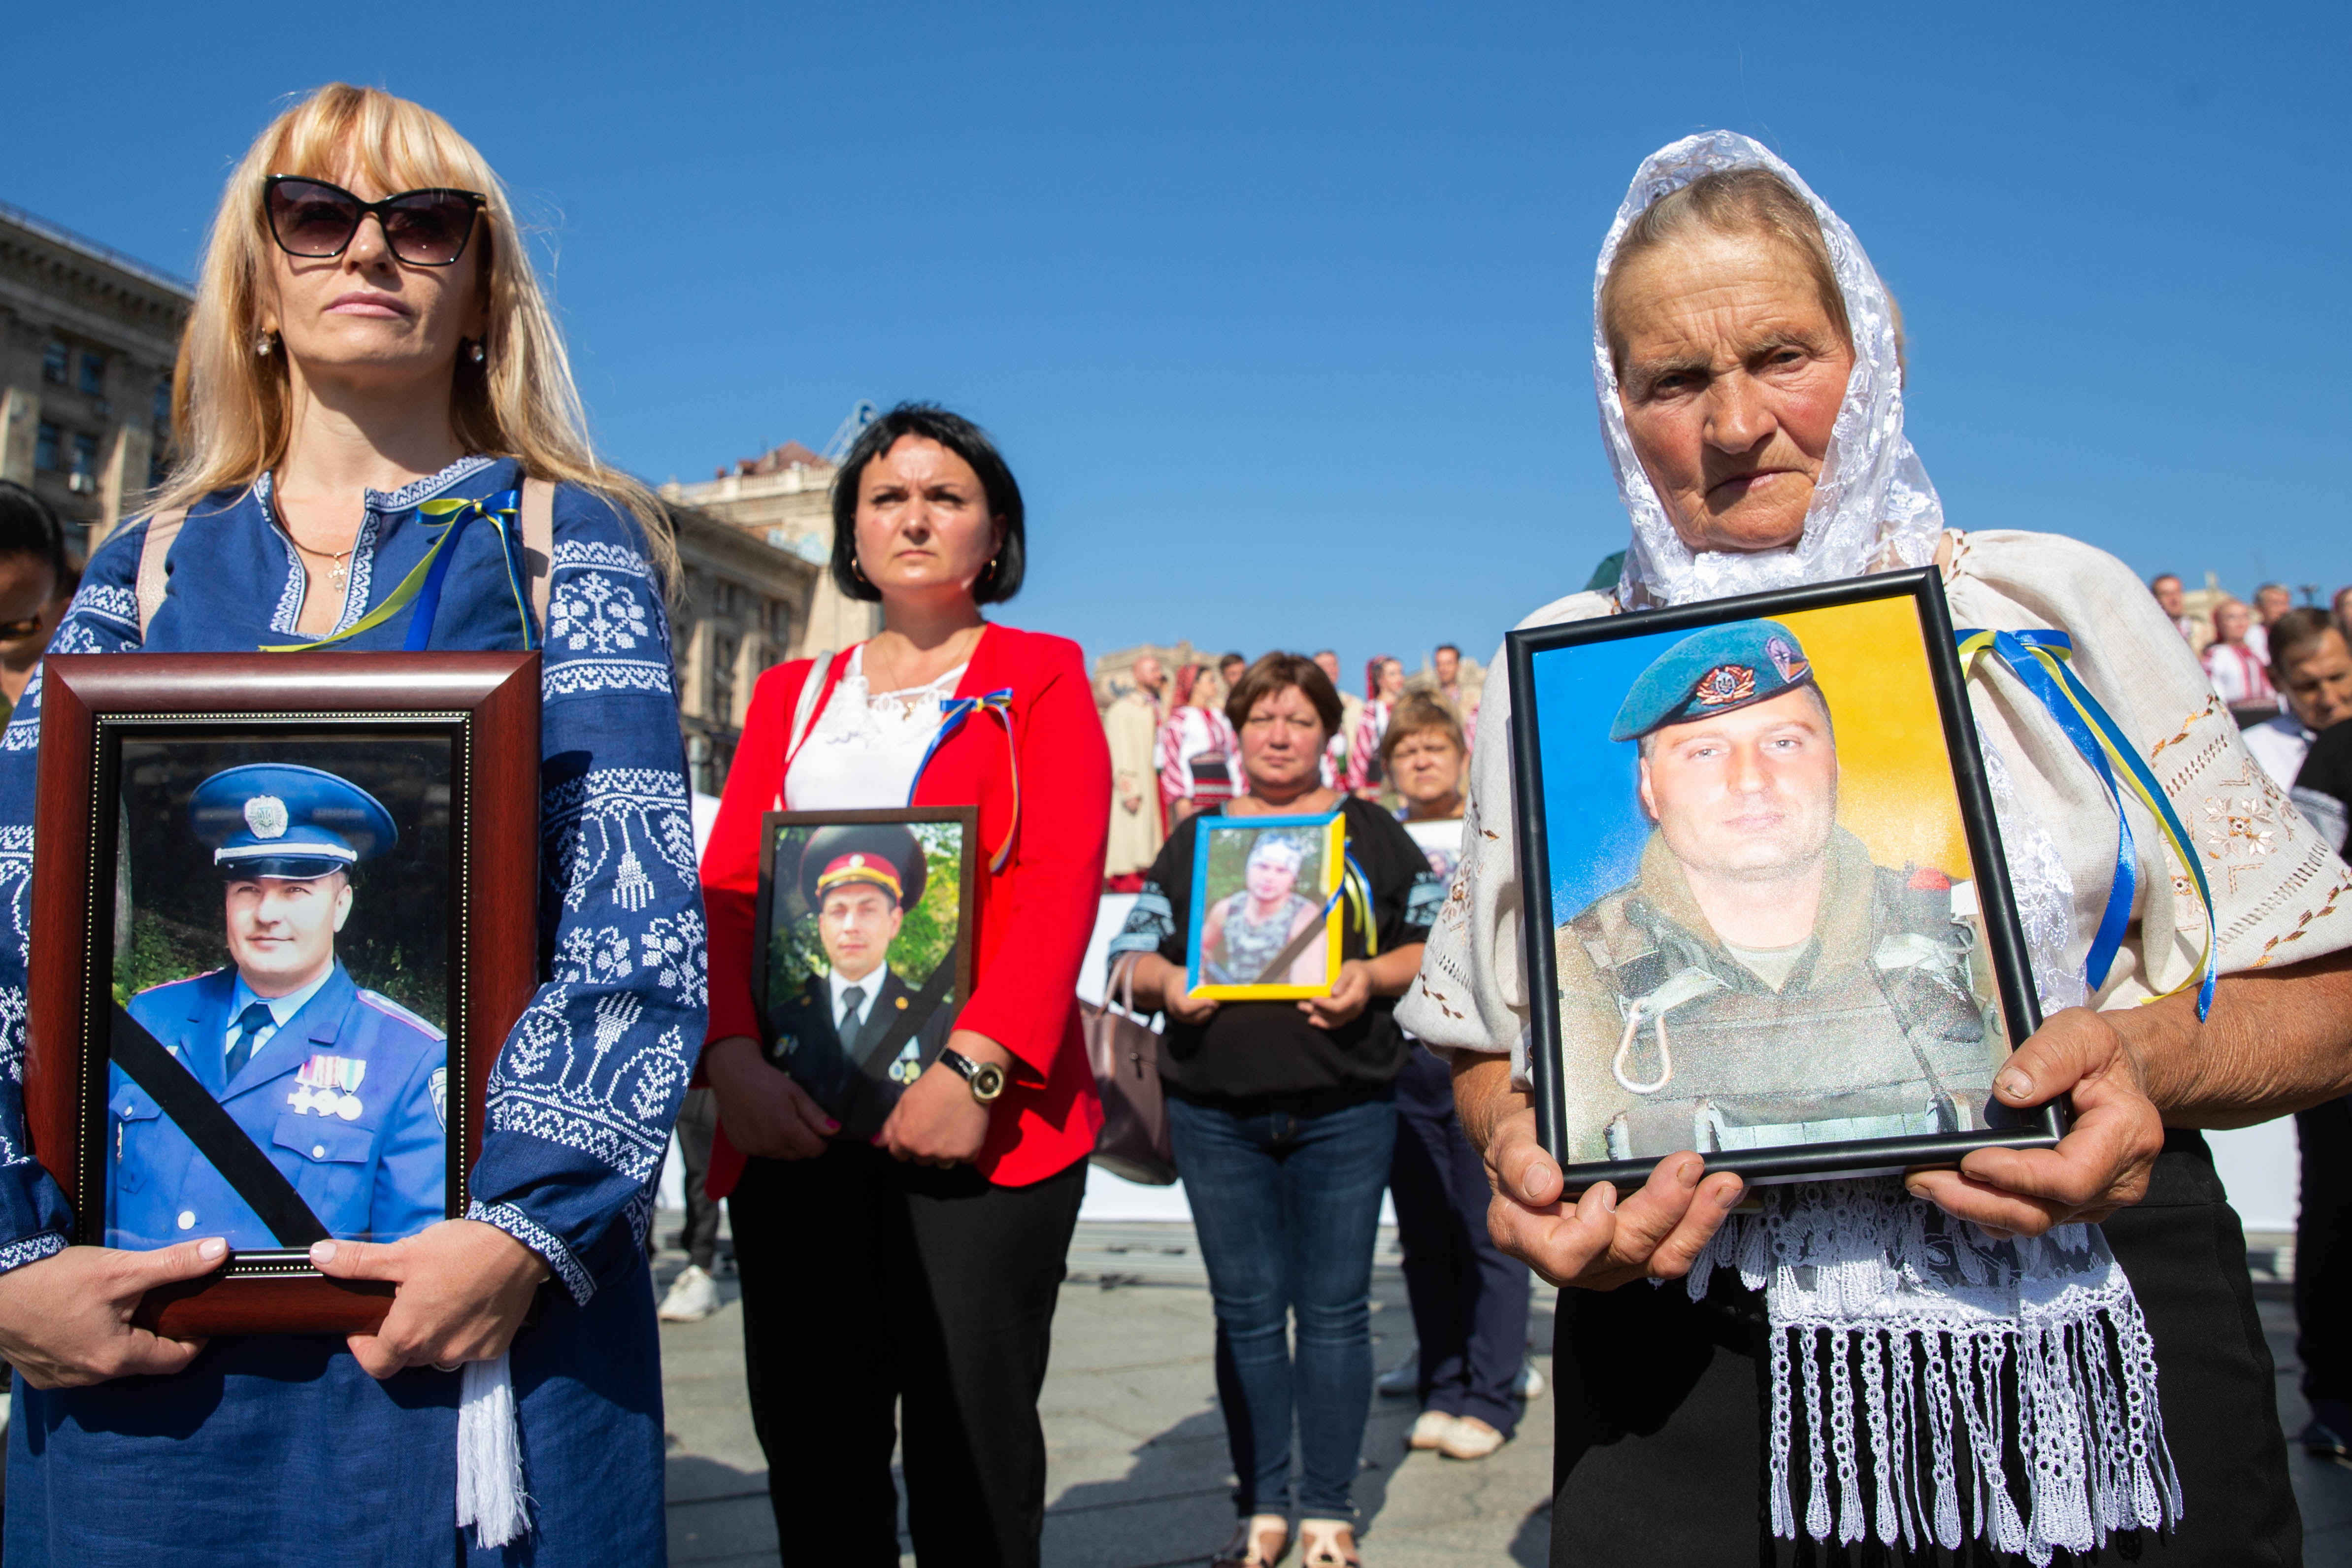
[1961,1354]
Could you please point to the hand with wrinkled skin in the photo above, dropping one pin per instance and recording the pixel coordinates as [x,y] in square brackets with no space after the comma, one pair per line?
[460,1290]
[64,1321]
[937,1122]
[2103,1162]
[1598,1243]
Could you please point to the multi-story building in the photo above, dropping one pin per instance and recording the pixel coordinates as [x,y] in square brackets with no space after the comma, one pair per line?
[784,499]
[87,337]
[740,605]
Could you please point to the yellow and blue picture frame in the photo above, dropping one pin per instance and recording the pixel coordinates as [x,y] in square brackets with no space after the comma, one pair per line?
[1292,950]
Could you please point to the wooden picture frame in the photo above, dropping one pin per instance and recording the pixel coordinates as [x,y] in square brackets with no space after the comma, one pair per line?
[1594,795]
[905,1026]
[478,709]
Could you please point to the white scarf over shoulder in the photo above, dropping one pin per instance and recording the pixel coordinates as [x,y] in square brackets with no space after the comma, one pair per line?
[1907,1336]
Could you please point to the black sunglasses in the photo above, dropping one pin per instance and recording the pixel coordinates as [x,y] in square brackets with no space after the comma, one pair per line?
[424,228]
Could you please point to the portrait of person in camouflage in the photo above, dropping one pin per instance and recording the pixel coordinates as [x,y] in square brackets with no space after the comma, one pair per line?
[1763,979]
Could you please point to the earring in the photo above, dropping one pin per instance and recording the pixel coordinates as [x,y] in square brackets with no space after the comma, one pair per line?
[261,346]
[474,351]
[856,570]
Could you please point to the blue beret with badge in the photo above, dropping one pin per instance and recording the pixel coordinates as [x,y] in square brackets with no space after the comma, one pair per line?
[283,820]
[1713,671]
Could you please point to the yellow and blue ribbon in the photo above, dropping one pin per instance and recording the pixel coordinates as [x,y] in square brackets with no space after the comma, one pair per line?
[422,586]
[953,715]
[1359,891]
[2039,660]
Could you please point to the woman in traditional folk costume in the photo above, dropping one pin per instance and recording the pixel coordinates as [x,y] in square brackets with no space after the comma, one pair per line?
[357,383]
[1746,358]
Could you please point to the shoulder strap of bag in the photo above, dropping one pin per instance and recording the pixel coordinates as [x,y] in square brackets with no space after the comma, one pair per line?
[190,1106]
[538,544]
[813,684]
[152,581]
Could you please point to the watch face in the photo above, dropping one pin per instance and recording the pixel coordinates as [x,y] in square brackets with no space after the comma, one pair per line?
[988,1081]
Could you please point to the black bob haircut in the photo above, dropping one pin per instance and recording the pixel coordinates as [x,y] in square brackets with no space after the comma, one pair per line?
[1001,579]
[27,527]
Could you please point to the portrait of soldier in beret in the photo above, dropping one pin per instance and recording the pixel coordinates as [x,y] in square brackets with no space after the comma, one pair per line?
[342,1087]
[1762,981]
[857,1034]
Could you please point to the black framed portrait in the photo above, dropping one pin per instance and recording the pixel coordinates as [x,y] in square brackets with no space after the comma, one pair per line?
[864,922]
[284,915]
[1768,914]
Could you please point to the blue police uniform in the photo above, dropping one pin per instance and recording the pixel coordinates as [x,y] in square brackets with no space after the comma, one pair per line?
[370,1160]
[347,1095]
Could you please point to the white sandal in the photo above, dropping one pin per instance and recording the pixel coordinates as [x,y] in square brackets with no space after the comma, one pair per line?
[1327,1543]
[1249,1548]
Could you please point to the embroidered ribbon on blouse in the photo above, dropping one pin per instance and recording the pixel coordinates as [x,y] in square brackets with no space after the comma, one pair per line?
[423,584]
[952,717]
[2039,660]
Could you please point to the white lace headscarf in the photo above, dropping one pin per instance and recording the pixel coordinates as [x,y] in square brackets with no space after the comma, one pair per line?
[1917,1345]
[1873,504]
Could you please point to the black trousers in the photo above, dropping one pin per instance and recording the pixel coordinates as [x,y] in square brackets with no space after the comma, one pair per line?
[698,1120]
[2323,1260]
[1469,1297]
[869,1286]
[1662,1406]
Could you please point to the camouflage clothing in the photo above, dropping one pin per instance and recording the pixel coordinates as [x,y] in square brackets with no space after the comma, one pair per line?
[1668,1042]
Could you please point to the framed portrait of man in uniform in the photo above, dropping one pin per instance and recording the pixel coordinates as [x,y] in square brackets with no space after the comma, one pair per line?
[867,923]
[1266,906]
[1767,915]
[283,918]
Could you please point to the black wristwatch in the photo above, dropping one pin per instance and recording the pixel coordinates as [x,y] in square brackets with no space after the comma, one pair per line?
[987,1080]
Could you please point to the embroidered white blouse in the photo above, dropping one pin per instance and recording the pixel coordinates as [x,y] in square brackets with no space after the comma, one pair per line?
[864,749]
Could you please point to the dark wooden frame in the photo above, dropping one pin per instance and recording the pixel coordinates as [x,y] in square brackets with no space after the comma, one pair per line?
[486,704]
[967,883]
[2013,970]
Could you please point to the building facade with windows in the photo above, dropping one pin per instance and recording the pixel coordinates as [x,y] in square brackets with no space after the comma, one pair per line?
[740,606]
[88,338]
[785,500]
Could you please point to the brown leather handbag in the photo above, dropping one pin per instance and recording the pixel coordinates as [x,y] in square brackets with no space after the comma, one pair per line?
[1123,1047]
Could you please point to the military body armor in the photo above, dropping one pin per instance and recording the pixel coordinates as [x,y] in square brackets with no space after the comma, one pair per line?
[1671,1043]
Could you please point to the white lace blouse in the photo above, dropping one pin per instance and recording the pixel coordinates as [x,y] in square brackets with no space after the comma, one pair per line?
[864,748]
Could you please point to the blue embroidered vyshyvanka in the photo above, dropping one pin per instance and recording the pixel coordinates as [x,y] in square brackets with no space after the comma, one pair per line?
[281,1450]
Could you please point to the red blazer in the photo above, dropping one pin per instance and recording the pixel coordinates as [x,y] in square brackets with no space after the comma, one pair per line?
[1036,916]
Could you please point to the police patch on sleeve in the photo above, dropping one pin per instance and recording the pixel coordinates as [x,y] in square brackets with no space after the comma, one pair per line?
[438,1084]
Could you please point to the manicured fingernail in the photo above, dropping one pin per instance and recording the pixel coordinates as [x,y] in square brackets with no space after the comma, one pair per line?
[831,1125]
[2015,1085]
[322,1252]
[212,1249]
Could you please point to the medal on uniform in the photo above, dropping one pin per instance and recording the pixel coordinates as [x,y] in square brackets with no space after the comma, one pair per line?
[326,1085]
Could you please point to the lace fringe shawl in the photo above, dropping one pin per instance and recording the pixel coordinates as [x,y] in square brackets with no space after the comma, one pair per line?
[2032,1350]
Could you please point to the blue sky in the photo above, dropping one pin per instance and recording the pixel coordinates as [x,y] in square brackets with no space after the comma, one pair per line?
[1280,312]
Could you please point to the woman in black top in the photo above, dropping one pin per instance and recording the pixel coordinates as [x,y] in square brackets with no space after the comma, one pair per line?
[1284,1115]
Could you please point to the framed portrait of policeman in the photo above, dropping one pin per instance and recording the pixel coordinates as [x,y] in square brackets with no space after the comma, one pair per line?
[283,918]
[866,921]
[1769,919]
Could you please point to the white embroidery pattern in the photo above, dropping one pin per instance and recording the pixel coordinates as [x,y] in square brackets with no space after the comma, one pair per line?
[678,953]
[360,582]
[595,553]
[32,1249]
[23,731]
[592,610]
[105,599]
[520,1225]
[607,1103]
[634,820]
[290,598]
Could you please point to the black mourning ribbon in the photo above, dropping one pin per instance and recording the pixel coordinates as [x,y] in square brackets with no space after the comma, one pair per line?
[881,1044]
[183,1096]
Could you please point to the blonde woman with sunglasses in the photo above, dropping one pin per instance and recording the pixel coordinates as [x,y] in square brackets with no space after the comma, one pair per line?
[369,371]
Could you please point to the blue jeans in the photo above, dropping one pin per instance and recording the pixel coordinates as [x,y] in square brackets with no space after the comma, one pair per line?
[1286,1203]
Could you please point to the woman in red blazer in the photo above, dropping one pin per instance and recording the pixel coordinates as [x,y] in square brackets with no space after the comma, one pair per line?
[920,1264]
